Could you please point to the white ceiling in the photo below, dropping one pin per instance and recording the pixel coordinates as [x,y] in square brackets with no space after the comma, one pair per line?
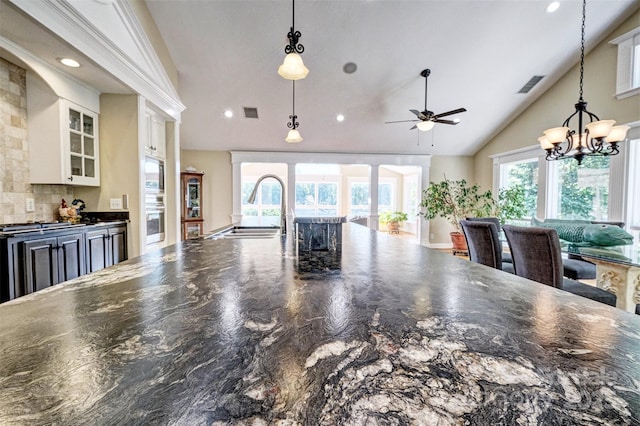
[480,52]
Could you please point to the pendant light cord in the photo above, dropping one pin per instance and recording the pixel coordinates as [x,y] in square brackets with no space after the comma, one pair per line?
[584,14]
[294,97]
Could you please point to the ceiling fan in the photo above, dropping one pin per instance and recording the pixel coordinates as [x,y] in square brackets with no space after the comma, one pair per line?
[427,119]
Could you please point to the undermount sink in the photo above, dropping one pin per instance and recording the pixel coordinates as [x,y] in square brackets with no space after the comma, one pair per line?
[248,233]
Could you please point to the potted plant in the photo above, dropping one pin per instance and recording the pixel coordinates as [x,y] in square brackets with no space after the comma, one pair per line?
[393,220]
[454,201]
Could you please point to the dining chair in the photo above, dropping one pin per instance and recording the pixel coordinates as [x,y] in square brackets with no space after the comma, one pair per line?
[506,257]
[484,244]
[537,256]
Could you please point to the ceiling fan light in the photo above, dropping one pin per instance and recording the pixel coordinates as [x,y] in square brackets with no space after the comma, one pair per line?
[600,129]
[293,68]
[556,134]
[425,126]
[293,136]
[617,134]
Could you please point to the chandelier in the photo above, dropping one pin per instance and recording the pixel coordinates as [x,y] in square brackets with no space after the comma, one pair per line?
[596,138]
[294,135]
[293,68]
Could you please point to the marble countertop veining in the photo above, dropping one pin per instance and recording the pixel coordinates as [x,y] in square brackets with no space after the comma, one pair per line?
[247,332]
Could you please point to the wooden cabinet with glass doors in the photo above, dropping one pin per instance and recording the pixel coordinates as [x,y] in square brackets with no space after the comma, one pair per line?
[191,216]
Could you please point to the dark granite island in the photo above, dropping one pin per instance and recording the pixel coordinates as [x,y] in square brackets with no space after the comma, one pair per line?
[383,332]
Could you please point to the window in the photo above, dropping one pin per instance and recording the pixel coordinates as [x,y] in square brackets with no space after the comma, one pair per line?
[582,192]
[633,203]
[522,167]
[268,199]
[525,174]
[316,199]
[628,68]
[385,197]
[359,198]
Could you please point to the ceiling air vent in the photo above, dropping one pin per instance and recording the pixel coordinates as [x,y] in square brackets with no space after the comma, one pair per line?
[250,112]
[532,82]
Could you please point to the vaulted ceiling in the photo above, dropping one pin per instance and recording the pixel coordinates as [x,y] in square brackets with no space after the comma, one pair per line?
[480,53]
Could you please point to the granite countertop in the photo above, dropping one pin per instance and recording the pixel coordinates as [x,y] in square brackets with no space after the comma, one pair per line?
[246,331]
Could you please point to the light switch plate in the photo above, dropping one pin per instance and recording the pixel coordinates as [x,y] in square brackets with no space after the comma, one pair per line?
[30,205]
[115,203]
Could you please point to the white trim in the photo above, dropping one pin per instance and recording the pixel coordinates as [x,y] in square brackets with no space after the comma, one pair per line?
[67,22]
[328,157]
[514,153]
[625,64]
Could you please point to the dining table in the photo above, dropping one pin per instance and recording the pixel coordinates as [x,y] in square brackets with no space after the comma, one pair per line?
[617,271]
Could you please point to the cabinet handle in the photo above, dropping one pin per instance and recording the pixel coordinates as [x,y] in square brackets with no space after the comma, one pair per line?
[70,178]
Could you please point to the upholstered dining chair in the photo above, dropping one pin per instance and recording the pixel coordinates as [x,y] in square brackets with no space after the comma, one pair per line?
[506,257]
[537,256]
[484,244]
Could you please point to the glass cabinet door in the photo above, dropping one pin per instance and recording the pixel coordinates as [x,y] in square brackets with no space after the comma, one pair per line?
[82,149]
[193,198]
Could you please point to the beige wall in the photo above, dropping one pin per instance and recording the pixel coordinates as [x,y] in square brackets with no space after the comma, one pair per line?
[118,162]
[553,107]
[217,185]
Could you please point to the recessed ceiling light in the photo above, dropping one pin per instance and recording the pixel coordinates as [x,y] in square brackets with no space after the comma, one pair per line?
[340,117]
[228,113]
[456,120]
[553,6]
[70,62]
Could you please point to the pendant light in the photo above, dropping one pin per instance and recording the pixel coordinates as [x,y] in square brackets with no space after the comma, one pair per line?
[294,135]
[597,138]
[293,68]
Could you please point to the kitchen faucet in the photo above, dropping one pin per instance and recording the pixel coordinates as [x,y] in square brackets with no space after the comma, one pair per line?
[283,205]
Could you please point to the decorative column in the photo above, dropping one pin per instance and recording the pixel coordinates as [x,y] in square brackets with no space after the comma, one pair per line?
[236,215]
[291,196]
[374,177]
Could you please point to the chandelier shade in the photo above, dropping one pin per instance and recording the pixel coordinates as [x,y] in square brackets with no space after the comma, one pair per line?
[293,68]
[294,136]
[592,136]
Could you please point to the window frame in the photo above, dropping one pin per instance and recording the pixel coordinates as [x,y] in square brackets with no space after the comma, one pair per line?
[628,64]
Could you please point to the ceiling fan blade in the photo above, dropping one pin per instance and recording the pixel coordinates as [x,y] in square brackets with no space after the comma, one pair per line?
[419,114]
[401,121]
[414,127]
[446,121]
[455,111]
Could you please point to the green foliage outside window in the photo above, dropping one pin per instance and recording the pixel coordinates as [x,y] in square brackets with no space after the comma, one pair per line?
[584,190]
[305,194]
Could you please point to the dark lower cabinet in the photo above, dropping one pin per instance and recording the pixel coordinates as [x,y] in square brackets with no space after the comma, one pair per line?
[34,261]
[106,247]
[97,250]
[49,261]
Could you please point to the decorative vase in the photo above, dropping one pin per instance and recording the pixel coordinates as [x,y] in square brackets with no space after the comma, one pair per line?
[459,243]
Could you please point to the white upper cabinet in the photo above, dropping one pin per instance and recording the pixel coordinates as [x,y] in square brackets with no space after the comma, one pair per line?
[155,142]
[63,142]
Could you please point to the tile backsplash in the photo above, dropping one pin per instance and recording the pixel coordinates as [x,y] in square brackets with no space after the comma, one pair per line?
[15,188]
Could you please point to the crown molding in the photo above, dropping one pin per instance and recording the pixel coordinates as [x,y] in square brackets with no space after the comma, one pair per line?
[149,79]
